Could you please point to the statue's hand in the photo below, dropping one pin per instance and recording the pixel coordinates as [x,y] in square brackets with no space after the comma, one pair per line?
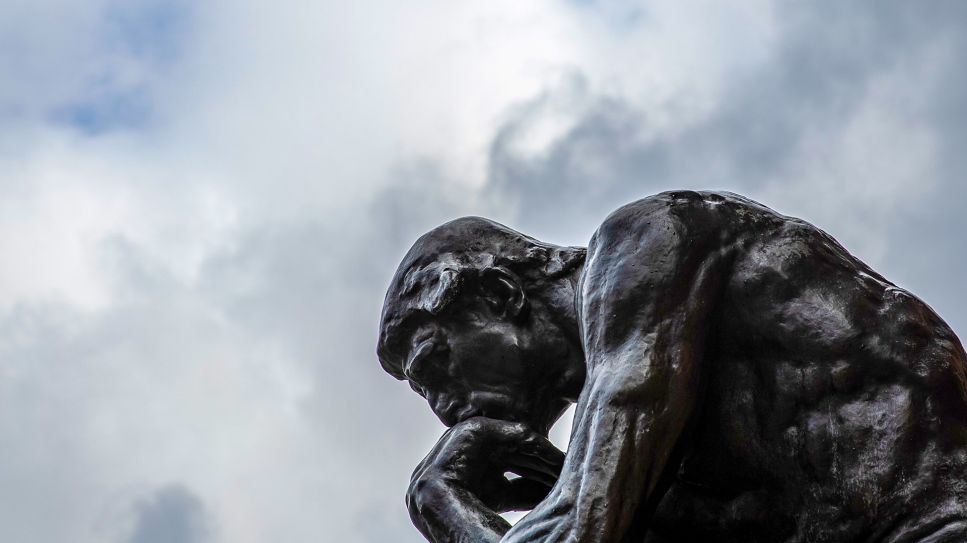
[473,457]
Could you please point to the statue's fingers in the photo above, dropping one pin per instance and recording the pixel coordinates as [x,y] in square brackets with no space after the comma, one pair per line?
[520,437]
[538,456]
[550,466]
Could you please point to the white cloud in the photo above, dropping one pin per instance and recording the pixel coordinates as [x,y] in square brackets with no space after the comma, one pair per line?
[192,284]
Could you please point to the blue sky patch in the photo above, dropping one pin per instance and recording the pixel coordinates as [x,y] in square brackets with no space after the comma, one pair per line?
[153,31]
[106,111]
[151,36]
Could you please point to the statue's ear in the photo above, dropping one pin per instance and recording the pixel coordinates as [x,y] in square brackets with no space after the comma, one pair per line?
[559,260]
[503,292]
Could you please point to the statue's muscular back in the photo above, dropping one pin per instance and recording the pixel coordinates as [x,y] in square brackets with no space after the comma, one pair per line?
[834,404]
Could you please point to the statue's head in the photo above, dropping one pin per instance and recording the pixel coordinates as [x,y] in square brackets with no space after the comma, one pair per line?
[476,319]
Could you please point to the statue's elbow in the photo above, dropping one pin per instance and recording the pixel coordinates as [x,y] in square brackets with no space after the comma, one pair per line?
[422,493]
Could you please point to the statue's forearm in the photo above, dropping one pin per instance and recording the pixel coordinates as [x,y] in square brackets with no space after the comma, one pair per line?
[444,512]
[629,421]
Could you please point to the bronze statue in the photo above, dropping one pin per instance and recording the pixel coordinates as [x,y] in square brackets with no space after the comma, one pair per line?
[739,377]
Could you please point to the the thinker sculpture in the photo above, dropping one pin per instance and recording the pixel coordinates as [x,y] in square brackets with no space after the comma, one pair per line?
[739,377]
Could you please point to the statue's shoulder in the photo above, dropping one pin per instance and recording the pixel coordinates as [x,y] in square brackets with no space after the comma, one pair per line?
[693,223]
[677,213]
[655,244]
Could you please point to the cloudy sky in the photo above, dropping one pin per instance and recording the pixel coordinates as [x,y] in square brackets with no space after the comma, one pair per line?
[201,204]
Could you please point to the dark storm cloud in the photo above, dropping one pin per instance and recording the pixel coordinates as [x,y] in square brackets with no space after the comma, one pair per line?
[929,236]
[825,60]
[172,514]
[828,59]
[595,166]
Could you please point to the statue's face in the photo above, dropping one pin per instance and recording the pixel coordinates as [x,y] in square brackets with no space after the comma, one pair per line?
[471,363]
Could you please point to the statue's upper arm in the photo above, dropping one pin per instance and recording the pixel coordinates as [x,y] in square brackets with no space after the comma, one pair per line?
[648,287]
[653,270]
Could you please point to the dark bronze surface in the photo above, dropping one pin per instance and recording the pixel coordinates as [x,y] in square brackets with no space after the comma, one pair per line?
[739,377]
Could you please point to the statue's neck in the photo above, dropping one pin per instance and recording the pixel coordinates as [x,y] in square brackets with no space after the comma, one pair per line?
[564,315]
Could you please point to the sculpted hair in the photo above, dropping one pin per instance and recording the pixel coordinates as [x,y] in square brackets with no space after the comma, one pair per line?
[447,260]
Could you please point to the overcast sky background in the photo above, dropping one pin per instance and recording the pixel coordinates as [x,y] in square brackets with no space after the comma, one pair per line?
[201,204]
